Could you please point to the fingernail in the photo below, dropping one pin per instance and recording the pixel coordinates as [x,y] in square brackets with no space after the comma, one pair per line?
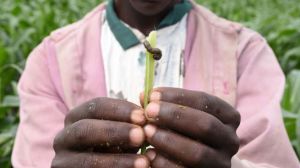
[152,110]
[149,130]
[151,155]
[136,136]
[137,117]
[155,96]
[141,163]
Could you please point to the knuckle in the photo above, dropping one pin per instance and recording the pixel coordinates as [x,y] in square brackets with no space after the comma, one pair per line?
[103,108]
[173,94]
[57,142]
[87,161]
[197,157]
[207,127]
[86,110]
[81,130]
[235,145]
[55,163]
[91,106]
[236,117]
[205,101]
[110,131]
[160,161]
[231,143]
[68,118]
[59,161]
[163,139]
[225,163]
[180,96]
[175,112]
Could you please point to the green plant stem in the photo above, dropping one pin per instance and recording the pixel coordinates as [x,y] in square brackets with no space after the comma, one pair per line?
[149,74]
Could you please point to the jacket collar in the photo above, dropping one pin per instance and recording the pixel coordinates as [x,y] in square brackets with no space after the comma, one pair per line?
[126,37]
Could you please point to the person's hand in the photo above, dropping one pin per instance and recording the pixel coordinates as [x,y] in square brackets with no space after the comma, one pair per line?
[102,133]
[190,129]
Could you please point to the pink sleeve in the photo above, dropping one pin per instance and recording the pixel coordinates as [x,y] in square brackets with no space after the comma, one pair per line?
[42,113]
[264,141]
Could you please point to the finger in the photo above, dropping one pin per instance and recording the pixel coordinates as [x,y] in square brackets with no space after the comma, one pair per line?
[190,153]
[205,127]
[89,133]
[159,161]
[85,160]
[141,97]
[115,149]
[199,100]
[107,109]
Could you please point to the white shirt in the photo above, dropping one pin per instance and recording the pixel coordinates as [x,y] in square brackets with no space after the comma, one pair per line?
[125,69]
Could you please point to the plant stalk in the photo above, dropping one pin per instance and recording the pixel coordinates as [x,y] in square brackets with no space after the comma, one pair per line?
[149,74]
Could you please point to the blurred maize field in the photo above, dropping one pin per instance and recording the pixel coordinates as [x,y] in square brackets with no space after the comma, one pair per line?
[24,23]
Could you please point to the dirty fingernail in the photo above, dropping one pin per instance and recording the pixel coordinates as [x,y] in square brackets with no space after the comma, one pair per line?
[136,136]
[152,110]
[141,163]
[149,130]
[137,117]
[155,96]
[151,155]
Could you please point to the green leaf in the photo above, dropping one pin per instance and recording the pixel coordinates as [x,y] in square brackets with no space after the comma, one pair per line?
[14,86]
[294,81]
[10,101]
[289,115]
[291,108]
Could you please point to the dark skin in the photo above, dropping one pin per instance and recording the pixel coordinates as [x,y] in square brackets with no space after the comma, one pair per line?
[102,133]
[188,129]
[143,15]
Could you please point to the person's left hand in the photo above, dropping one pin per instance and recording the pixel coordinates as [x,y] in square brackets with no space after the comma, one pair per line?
[190,129]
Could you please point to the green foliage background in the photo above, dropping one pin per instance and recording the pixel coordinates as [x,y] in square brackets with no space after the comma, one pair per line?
[24,23]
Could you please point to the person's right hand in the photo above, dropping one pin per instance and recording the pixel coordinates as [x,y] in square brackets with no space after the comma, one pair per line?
[102,133]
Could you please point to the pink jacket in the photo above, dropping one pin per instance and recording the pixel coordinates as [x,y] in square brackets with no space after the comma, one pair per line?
[221,58]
